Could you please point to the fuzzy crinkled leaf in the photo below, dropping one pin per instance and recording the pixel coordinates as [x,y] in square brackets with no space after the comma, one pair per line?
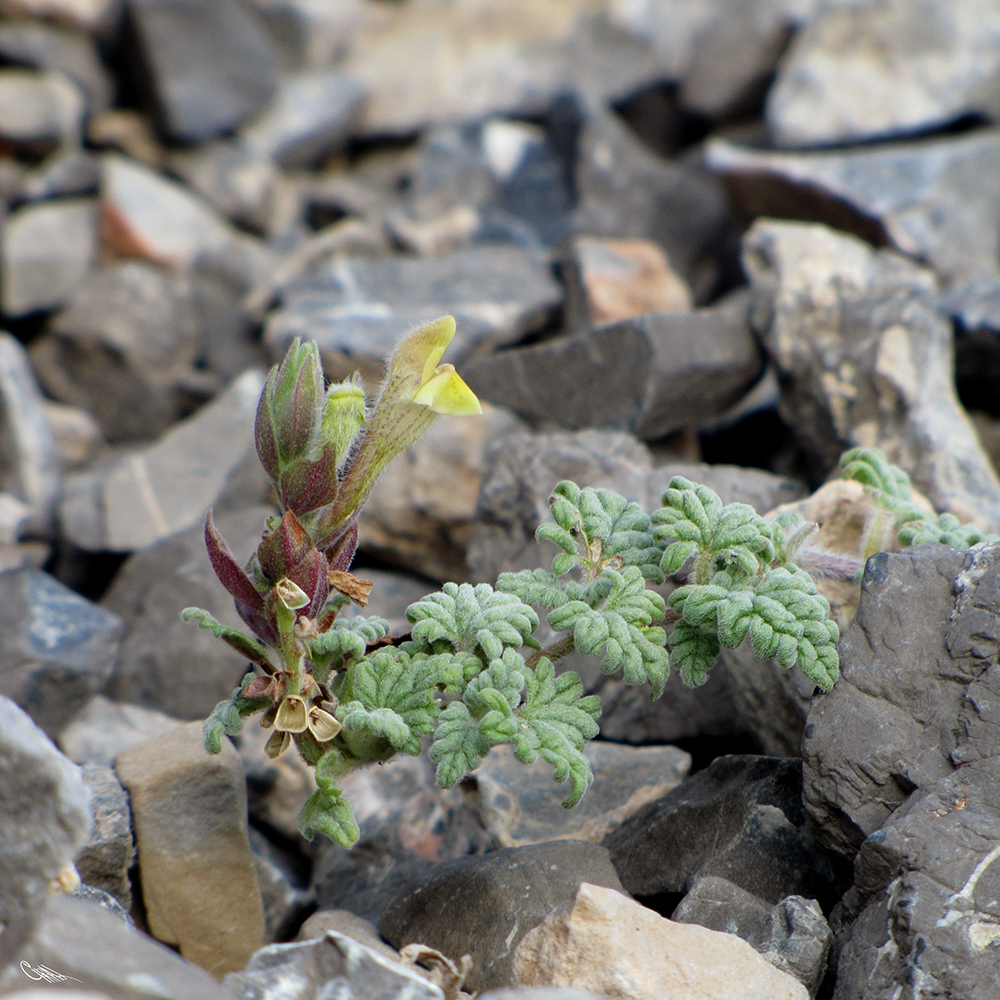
[554,723]
[228,715]
[459,744]
[870,467]
[945,529]
[251,648]
[539,586]
[622,628]
[346,639]
[473,618]
[693,652]
[326,811]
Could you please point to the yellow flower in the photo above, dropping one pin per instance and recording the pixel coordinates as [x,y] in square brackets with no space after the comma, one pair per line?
[443,390]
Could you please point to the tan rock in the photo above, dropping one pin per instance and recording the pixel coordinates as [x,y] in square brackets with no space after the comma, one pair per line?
[625,278]
[199,882]
[611,944]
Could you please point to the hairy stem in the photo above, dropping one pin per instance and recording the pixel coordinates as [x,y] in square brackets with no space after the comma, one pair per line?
[557,650]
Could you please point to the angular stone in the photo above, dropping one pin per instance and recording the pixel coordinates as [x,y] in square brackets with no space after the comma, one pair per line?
[146,215]
[68,173]
[127,348]
[938,200]
[357,308]
[165,663]
[333,964]
[520,804]
[350,925]
[656,373]
[150,493]
[39,110]
[865,358]
[865,71]
[483,906]
[741,818]
[283,887]
[199,882]
[498,56]
[610,944]
[905,665]
[312,116]
[46,251]
[57,48]
[32,470]
[73,937]
[625,191]
[104,728]
[421,514]
[45,821]
[59,647]
[209,64]
[106,858]
[721,905]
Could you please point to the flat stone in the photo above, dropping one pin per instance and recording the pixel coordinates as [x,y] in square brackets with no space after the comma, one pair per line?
[45,821]
[103,728]
[422,512]
[91,15]
[311,117]
[610,944]
[865,71]
[39,110]
[32,471]
[357,308]
[350,925]
[150,493]
[865,358]
[199,883]
[208,63]
[658,373]
[107,856]
[79,939]
[165,663]
[128,348]
[334,962]
[521,804]
[483,906]
[59,647]
[46,251]
[149,216]
[936,200]
[741,818]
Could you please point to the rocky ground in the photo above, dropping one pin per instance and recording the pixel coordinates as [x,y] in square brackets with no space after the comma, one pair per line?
[721,238]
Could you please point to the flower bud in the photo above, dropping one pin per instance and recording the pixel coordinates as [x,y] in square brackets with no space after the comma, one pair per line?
[343,416]
[307,483]
[284,548]
[290,407]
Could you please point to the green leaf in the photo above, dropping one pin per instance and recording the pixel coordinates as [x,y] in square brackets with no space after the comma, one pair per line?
[536,586]
[693,651]
[326,811]
[346,639]
[621,628]
[458,746]
[554,723]
[945,529]
[228,715]
[244,644]
[472,618]
[870,467]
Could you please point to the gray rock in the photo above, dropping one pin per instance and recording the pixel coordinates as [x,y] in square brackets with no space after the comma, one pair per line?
[39,111]
[483,906]
[651,375]
[45,820]
[98,897]
[626,191]
[358,308]
[233,179]
[60,49]
[165,663]
[95,16]
[741,818]
[870,70]
[937,200]
[32,468]
[46,251]
[126,349]
[104,728]
[520,804]
[904,674]
[350,925]
[312,116]
[59,647]
[209,65]
[79,939]
[67,173]
[106,858]
[924,905]
[721,905]
[283,887]
[799,940]
[145,495]
[199,882]
[865,358]
[333,963]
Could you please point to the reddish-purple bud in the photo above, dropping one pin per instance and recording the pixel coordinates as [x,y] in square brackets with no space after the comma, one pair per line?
[231,575]
[263,430]
[340,549]
[283,548]
[296,401]
[311,575]
[305,485]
